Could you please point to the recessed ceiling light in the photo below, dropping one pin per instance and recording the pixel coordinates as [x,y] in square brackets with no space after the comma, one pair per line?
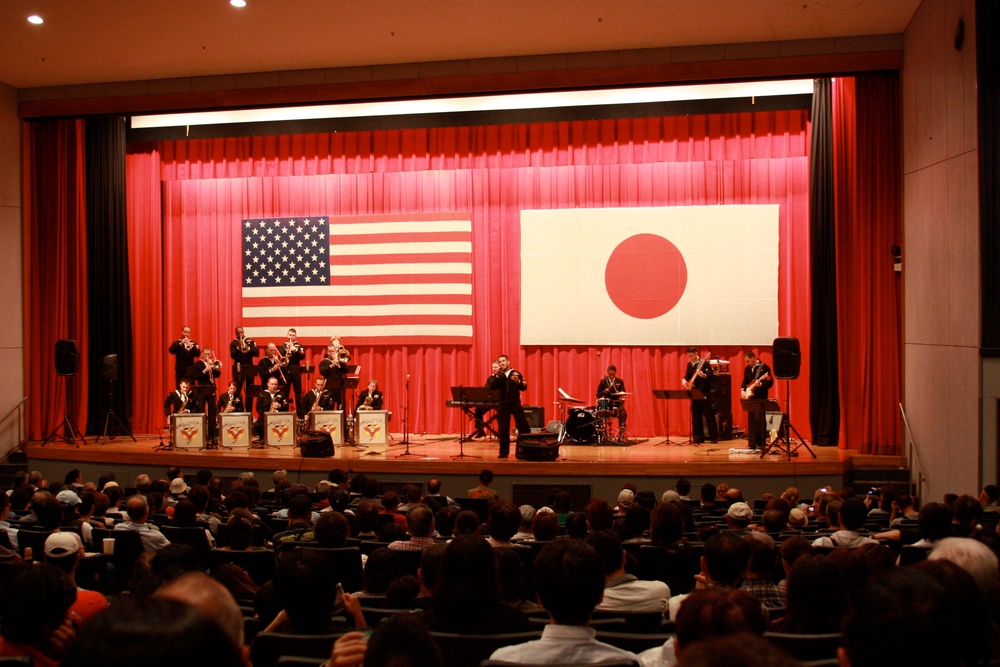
[238,3]
[36,19]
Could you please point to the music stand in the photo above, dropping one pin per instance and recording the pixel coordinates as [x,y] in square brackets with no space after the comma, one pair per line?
[465,395]
[206,398]
[677,394]
[342,384]
[762,406]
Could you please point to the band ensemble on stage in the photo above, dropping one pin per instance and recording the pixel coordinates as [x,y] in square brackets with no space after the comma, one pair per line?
[280,369]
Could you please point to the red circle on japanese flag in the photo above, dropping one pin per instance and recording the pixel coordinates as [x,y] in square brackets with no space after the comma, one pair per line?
[645,276]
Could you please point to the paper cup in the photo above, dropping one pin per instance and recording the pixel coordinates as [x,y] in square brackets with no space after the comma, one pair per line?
[109,522]
[109,546]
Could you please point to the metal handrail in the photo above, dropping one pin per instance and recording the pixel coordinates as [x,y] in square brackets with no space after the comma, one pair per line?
[910,454]
[20,425]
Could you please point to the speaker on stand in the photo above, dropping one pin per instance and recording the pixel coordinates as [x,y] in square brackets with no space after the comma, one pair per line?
[786,364]
[66,362]
[109,372]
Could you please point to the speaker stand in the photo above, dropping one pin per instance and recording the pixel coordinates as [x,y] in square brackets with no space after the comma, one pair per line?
[110,417]
[69,431]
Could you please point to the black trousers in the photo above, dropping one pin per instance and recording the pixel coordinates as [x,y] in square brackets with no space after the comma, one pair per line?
[756,423]
[504,413]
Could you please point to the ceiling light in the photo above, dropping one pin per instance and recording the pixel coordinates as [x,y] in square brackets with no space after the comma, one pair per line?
[238,3]
[36,19]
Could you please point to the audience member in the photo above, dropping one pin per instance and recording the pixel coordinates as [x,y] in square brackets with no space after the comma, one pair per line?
[625,592]
[483,490]
[569,580]
[64,551]
[852,519]
[137,510]
[34,610]
[420,521]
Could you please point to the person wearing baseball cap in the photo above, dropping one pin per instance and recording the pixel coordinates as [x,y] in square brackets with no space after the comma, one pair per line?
[64,550]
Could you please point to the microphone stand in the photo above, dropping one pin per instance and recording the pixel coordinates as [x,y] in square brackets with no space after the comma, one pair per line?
[406,434]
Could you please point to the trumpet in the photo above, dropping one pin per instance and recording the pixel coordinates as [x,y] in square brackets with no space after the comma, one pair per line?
[343,356]
[242,345]
[187,343]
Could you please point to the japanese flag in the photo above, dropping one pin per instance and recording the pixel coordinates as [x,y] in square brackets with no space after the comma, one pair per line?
[691,275]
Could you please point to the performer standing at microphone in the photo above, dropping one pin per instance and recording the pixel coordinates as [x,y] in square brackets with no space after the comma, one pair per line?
[609,386]
[185,351]
[510,384]
[697,376]
[243,351]
[756,383]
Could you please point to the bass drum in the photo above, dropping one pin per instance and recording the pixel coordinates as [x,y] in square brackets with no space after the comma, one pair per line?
[581,425]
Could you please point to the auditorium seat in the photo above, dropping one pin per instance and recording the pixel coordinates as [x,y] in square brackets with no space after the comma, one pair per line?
[471,650]
[269,646]
[637,642]
[807,646]
[194,537]
[259,564]
[346,562]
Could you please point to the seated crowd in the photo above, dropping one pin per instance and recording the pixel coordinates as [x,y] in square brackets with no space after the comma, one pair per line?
[388,575]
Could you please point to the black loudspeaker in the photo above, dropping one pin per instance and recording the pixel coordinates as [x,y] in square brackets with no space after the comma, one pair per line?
[536,416]
[787,358]
[537,447]
[725,424]
[316,444]
[109,367]
[720,393]
[65,357]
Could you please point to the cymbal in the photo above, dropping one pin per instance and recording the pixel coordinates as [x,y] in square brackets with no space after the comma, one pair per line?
[574,401]
[620,393]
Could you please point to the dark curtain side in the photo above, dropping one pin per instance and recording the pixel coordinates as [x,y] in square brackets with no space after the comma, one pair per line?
[824,412]
[110,317]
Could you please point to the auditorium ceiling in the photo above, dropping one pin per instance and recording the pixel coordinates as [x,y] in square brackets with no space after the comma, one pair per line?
[92,41]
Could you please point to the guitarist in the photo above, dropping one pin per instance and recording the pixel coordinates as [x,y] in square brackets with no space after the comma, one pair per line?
[756,383]
[697,376]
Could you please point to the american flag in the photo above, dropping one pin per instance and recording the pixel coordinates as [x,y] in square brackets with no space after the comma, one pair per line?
[400,279]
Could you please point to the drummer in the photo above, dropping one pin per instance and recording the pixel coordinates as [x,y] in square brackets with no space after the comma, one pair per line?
[611,396]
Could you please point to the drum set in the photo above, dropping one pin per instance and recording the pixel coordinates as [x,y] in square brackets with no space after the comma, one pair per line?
[593,424]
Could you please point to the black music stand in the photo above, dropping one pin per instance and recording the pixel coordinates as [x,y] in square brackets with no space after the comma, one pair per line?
[246,375]
[762,406]
[350,381]
[464,396]
[677,394]
[206,398]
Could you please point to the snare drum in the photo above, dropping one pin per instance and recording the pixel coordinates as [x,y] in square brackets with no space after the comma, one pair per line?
[605,407]
[581,425]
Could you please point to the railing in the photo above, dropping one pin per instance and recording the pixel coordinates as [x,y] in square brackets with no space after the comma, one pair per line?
[19,411]
[911,459]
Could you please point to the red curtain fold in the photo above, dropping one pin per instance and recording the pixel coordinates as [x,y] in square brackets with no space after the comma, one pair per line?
[493,172]
[55,271]
[867,164]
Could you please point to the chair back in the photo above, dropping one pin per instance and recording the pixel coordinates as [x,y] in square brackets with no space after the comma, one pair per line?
[674,566]
[910,554]
[636,642]
[807,647]
[128,548]
[643,621]
[194,537]
[346,562]
[259,563]
[268,647]
[480,506]
[613,663]
[409,561]
[33,539]
[460,650]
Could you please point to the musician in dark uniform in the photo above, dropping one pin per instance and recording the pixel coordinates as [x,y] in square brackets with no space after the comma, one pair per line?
[756,383]
[185,351]
[510,384]
[181,400]
[269,400]
[317,398]
[479,413]
[243,351]
[273,366]
[294,353]
[610,385]
[698,376]
[370,398]
[231,401]
[334,367]
[205,372]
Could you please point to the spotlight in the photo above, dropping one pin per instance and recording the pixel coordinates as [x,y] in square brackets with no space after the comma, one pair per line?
[36,19]
[238,3]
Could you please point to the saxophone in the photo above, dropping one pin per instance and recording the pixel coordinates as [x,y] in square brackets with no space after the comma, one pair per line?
[368,402]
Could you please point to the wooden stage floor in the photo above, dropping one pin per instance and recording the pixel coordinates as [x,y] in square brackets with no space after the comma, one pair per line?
[439,455]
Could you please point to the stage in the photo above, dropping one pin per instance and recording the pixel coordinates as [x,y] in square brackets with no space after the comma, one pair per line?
[650,463]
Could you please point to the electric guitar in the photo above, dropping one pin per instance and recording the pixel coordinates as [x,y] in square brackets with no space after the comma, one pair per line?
[748,392]
[687,384]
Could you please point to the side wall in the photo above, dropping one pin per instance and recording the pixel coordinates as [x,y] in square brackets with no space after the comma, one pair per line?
[11,312]
[942,371]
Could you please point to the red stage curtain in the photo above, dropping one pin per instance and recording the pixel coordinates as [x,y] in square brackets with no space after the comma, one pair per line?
[494,172]
[55,271]
[868,195]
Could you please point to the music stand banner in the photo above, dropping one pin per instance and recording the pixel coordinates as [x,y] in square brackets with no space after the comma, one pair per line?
[328,421]
[235,429]
[279,429]
[189,430]
[372,427]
